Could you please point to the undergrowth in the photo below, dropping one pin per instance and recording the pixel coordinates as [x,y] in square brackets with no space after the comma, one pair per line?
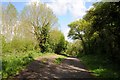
[12,63]
[101,66]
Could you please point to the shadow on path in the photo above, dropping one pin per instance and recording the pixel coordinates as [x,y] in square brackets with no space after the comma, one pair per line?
[69,68]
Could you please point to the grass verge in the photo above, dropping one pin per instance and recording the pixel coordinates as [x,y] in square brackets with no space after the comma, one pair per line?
[12,63]
[100,66]
[59,59]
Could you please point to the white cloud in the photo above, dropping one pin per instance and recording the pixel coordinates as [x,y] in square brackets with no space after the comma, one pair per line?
[65,31]
[75,7]
[59,7]
[33,1]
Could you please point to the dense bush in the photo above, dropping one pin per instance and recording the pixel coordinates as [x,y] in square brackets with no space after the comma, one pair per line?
[16,54]
[74,48]
[57,42]
[17,45]
[22,45]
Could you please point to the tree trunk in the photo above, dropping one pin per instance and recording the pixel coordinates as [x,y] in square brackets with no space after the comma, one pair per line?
[84,45]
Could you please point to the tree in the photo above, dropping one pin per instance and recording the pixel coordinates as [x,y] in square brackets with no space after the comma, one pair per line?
[57,41]
[41,18]
[74,48]
[9,18]
[101,36]
[104,18]
[61,46]
[78,30]
[44,38]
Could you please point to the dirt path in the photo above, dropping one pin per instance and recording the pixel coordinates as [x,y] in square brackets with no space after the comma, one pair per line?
[45,68]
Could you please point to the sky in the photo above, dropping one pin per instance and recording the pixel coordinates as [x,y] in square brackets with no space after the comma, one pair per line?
[66,11]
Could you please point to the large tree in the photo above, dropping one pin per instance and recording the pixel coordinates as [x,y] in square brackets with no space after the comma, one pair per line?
[78,30]
[9,18]
[105,22]
[39,18]
[102,35]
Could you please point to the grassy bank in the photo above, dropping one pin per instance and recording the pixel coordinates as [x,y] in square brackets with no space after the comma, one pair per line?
[100,66]
[12,63]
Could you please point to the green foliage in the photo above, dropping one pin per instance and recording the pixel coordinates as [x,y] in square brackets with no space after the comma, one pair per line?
[17,45]
[31,30]
[57,41]
[79,30]
[54,38]
[12,63]
[61,46]
[99,31]
[104,18]
[59,60]
[6,47]
[9,18]
[44,38]
[32,34]
[16,54]
[75,48]
[41,18]
[101,66]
